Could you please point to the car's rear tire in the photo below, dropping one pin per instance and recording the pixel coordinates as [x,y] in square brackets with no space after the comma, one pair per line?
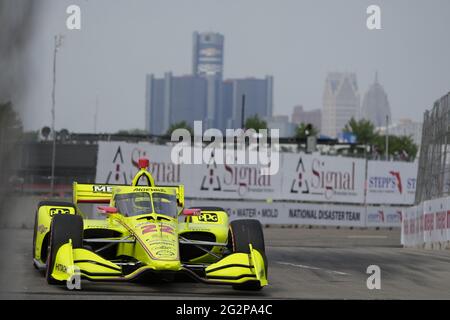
[34,237]
[241,234]
[63,228]
[56,203]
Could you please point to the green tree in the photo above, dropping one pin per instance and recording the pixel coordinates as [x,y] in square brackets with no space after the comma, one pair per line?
[255,123]
[304,130]
[179,125]
[364,130]
[406,148]
[400,147]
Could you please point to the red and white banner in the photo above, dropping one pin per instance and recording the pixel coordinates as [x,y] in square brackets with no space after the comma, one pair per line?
[427,225]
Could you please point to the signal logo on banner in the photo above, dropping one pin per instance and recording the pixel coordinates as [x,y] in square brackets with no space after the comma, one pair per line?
[300,184]
[117,175]
[211,179]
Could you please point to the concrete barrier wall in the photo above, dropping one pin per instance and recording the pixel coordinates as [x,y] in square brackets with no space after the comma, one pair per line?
[427,225]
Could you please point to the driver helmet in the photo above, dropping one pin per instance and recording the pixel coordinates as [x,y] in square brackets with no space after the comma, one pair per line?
[142,203]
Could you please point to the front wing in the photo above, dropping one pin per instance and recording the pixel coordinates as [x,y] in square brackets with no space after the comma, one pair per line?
[234,269]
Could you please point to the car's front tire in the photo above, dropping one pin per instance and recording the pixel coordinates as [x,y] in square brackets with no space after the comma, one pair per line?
[242,233]
[44,244]
[63,228]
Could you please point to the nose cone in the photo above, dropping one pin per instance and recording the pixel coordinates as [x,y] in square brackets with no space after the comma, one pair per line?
[160,242]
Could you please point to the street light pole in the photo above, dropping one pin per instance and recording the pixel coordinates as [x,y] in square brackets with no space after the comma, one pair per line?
[58,39]
[387,138]
[243,112]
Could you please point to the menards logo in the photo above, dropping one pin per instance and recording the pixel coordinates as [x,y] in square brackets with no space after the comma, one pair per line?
[101,189]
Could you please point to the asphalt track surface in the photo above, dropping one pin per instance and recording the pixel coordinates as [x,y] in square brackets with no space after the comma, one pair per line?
[303,264]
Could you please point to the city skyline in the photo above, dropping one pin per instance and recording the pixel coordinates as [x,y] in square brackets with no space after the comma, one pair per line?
[203,95]
[341,102]
[107,60]
[375,105]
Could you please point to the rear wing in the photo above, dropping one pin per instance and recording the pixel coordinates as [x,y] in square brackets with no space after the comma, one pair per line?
[102,193]
[92,193]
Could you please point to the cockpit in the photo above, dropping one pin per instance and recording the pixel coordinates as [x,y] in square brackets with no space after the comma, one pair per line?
[138,203]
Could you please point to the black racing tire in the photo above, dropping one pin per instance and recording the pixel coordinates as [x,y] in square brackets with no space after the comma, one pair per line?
[246,231]
[63,228]
[34,237]
[242,233]
[46,203]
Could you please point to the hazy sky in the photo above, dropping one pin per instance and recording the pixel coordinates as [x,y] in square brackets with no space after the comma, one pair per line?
[297,42]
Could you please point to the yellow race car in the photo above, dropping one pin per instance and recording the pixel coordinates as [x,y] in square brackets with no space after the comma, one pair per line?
[146,235]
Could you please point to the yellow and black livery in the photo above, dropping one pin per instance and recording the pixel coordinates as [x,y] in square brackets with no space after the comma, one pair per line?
[146,235]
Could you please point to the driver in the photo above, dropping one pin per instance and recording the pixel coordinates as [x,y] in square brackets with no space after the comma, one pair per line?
[142,204]
[132,204]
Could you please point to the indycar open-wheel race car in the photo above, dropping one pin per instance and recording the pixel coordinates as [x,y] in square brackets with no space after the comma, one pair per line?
[146,235]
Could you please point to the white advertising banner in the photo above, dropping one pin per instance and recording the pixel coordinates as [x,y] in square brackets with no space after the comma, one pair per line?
[390,182]
[411,234]
[215,180]
[266,213]
[322,178]
[295,213]
[428,220]
[403,233]
[301,177]
[325,214]
[117,163]
[384,216]
[435,220]
[427,224]
[419,224]
[447,203]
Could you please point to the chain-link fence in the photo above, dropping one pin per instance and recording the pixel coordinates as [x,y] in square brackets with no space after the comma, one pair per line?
[433,180]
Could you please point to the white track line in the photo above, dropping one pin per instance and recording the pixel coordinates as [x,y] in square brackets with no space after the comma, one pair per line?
[367,237]
[312,268]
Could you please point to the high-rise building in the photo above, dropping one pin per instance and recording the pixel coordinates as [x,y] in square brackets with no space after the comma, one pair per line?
[225,113]
[203,95]
[207,62]
[258,100]
[375,106]
[299,115]
[172,99]
[282,123]
[341,102]
[207,58]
